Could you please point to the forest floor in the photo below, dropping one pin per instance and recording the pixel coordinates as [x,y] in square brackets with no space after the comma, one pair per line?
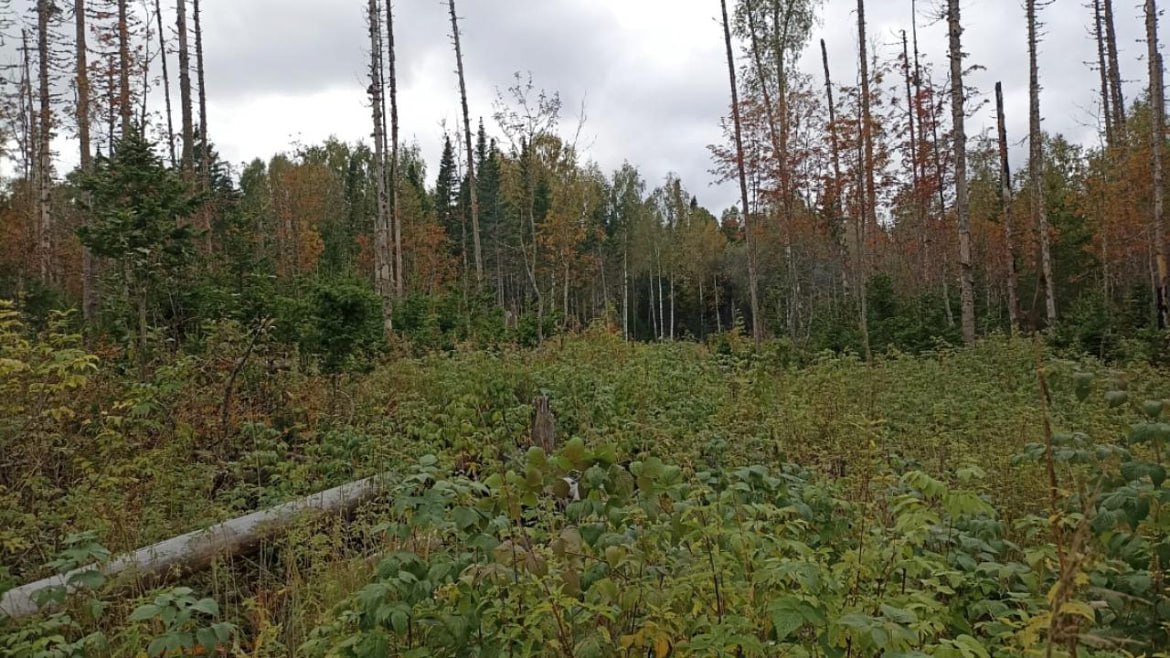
[732,500]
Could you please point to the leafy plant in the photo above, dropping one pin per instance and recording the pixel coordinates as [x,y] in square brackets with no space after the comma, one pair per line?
[180,622]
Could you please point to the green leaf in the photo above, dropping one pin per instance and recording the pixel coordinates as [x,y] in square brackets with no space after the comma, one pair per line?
[787,617]
[898,615]
[207,606]
[970,647]
[145,612]
[157,646]
[399,621]
[91,579]
[465,518]
[223,631]
[1137,470]
[207,639]
[1116,398]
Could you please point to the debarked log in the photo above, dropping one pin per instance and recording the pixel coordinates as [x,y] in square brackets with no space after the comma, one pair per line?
[199,549]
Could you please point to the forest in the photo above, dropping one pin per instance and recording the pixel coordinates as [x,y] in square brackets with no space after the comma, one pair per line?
[906,396]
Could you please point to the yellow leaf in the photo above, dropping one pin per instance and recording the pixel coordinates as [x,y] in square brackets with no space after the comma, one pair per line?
[1078,608]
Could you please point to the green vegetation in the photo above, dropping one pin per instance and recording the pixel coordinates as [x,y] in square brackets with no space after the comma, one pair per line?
[732,501]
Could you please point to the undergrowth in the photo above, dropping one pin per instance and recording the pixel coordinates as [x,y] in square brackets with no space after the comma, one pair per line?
[733,502]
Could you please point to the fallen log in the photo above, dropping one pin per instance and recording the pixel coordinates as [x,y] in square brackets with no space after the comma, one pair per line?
[199,549]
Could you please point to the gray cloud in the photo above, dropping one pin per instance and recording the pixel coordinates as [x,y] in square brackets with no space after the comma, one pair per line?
[652,71]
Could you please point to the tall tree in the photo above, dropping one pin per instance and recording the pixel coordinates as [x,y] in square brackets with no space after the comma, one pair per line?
[868,215]
[1103,72]
[188,157]
[395,218]
[834,197]
[834,145]
[1036,165]
[915,181]
[962,198]
[383,261]
[166,75]
[89,272]
[44,156]
[204,141]
[1157,140]
[473,194]
[1005,187]
[753,273]
[1117,96]
[125,109]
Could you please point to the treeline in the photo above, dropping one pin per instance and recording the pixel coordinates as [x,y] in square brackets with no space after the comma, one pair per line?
[873,221]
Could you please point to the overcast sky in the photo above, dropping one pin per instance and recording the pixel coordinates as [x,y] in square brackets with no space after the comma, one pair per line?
[652,73]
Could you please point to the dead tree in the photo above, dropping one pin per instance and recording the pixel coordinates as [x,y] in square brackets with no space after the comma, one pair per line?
[753,275]
[382,259]
[867,218]
[1117,93]
[91,299]
[166,75]
[1005,188]
[1036,167]
[395,218]
[188,151]
[1157,140]
[204,143]
[44,156]
[962,199]
[125,109]
[473,193]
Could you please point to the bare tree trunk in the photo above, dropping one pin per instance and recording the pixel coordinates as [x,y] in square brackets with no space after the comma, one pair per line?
[125,111]
[395,219]
[28,129]
[920,195]
[188,157]
[753,275]
[779,149]
[962,200]
[868,216]
[162,46]
[1157,139]
[626,283]
[653,317]
[91,299]
[1103,71]
[204,142]
[834,146]
[1117,96]
[200,549]
[383,261]
[45,9]
[1005,182]
[661,296]
[911,110]
[473,193]
[672,306]
[1036,167]
[835,151]
[718,309]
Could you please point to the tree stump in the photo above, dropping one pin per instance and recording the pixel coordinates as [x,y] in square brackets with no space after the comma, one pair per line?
[544,425]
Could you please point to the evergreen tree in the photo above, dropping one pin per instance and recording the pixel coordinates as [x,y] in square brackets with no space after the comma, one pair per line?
[447,195]
[138,207]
